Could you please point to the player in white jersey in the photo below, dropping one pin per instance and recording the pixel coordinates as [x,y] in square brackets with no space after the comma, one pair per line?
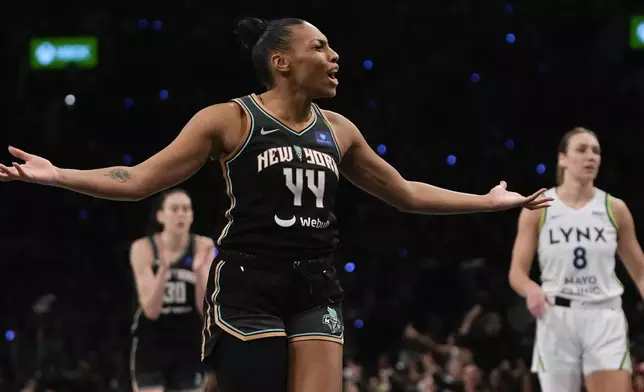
[582,333]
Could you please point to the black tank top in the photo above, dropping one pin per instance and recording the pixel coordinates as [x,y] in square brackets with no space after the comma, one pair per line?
[282,185]
[179,319]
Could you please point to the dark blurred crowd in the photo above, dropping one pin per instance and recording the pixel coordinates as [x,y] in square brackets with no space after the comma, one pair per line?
[70,343]
[482,355]
[67,345]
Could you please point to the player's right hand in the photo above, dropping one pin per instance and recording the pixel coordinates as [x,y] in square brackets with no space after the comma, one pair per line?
[35,169]
[536,300]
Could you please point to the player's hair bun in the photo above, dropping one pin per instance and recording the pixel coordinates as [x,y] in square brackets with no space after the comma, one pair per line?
[249,30]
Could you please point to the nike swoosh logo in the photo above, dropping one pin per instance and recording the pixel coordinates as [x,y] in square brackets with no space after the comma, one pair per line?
[265,132]
[285,222]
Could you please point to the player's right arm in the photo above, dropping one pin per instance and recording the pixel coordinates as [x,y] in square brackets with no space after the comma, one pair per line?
[523,251]
[150,288]
[201,137]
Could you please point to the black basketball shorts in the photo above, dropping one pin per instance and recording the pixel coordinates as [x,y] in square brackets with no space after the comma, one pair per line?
[251,298]
[159,364]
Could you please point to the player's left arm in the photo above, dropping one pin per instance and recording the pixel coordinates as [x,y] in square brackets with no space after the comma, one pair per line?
[628,247]
[204,254]
[369,172]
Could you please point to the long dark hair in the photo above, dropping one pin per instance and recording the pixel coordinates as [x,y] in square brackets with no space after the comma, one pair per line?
[154,226]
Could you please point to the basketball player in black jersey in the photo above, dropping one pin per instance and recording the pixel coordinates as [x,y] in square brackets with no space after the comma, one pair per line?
[170,270]
[273,320]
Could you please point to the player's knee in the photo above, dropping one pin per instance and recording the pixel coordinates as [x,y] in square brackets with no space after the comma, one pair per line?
[609,381]
[327,376]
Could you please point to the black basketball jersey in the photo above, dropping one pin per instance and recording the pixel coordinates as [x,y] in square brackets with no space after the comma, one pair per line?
[282,186]
[179,319]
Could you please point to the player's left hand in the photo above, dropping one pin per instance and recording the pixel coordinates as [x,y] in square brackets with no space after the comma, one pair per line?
[502,199]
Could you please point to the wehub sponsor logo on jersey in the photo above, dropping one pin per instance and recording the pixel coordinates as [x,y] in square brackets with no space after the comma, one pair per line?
[315,223]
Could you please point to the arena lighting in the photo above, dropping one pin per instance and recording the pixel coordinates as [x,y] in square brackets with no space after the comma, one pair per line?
[451,160]
[541,168]
[63,52]
[637,32]
[70,99]
[381,149]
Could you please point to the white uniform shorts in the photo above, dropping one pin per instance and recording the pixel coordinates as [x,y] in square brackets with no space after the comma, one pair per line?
[579,340]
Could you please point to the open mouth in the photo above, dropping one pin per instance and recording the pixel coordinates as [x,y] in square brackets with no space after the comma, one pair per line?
[331,75]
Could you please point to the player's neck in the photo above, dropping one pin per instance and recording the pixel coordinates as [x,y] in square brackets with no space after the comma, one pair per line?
[290,105]
[574,192]
[174,242]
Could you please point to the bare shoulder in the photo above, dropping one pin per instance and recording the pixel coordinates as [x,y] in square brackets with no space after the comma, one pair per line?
[617,204]
[141,253]
[226,111]
[337,120]
[140,244]
[217,118]
[618,210]
[223,116]
[227,123]
[345,131]
[332,116]
[531,219]
[221,112]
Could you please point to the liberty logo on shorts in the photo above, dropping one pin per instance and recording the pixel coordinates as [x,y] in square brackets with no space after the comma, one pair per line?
[332,320]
